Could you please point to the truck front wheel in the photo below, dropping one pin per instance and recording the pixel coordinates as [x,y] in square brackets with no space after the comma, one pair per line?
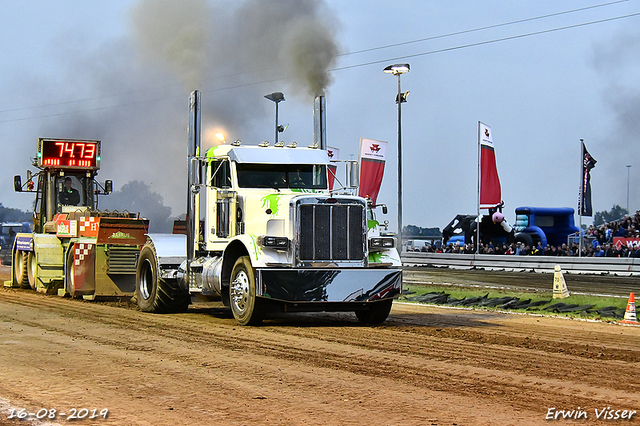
[246,307]
[377,312]
[155,294]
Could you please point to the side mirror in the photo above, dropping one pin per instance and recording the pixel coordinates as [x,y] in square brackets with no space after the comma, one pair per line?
[108,186]
[17,183]
[384,209]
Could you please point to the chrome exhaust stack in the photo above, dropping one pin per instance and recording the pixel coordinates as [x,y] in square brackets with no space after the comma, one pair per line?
[193,182]
[319,123]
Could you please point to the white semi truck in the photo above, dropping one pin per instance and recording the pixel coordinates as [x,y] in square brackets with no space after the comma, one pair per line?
[273,238]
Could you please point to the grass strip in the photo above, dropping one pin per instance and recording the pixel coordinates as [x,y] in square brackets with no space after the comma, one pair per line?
[615,306]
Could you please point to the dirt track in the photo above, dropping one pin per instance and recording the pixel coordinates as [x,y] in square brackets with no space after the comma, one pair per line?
[425,366]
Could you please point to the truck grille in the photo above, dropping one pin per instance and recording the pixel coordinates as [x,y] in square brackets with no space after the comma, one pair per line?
[122,260]
[331,232]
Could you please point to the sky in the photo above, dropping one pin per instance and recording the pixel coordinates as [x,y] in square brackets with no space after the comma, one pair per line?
[542,75]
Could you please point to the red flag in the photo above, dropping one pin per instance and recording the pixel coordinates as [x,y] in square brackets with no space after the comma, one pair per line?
[490,192]
[372,158]
[334,155]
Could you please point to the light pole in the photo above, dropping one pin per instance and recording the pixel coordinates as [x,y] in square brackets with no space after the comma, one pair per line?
[276,97]
[628,169]
[399,69]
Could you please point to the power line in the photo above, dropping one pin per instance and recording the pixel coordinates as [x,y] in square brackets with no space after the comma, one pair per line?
[504,24]
[481,43]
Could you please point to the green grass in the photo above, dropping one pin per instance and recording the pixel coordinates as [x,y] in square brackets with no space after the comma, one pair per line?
[464,292]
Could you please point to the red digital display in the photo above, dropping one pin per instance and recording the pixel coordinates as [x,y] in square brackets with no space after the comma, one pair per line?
[69,154]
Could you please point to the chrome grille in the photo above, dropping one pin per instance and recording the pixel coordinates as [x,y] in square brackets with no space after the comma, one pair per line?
[331,232]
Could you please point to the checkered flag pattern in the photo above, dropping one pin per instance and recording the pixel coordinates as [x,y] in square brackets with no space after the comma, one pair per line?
[81,251]
[86,222]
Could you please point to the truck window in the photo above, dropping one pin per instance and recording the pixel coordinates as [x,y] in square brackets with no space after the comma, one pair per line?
[221,174]
[303,176]
[69,191]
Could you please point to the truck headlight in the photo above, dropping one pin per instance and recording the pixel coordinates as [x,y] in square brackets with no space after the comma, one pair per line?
[382,242]
[274,242]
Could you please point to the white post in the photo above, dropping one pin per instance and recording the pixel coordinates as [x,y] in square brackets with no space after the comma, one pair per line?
[581,199]
[478,197]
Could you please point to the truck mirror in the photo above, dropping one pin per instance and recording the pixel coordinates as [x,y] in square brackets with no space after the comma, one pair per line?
[17,183]
[108,186]
[384,209]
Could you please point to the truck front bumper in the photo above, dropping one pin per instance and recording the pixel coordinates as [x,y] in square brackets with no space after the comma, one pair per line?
[329,285]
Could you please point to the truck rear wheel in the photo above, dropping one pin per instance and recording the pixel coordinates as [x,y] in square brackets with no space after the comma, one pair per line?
[20,274]
[246,307]
[155,294]
[377,312]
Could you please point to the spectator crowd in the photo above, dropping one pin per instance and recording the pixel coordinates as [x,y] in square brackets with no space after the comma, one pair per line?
[597,242]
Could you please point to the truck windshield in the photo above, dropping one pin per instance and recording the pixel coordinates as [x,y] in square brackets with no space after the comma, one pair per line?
[307,176]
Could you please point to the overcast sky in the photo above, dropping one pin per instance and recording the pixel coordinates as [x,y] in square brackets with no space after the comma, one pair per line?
[541,74]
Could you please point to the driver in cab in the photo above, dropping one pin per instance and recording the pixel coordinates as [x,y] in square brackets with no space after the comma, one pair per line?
[69,195]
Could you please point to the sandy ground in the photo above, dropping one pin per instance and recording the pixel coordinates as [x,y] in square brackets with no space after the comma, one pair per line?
[424,366]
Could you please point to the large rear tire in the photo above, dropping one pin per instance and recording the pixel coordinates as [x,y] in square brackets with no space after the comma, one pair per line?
[155,294]
[377,312]
[31,270]
[20,274]
[70,284]
[246,307]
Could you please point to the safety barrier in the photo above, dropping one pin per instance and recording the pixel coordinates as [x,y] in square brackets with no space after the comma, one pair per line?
[495,262]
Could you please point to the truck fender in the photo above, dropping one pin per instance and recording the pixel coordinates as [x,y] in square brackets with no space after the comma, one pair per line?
[171,249]
[259,256]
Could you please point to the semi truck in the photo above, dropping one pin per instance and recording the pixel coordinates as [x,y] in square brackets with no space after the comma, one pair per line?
[272,238]
[74,249]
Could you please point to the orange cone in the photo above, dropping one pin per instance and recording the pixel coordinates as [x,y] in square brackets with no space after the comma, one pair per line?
[630,315]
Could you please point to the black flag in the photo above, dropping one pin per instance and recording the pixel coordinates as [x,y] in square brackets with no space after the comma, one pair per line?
[588,163]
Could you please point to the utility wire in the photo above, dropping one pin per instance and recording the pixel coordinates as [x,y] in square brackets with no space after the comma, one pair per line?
[481,43]
[504,24]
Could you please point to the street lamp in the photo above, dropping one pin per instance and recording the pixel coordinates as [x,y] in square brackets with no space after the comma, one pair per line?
[628,169]
[276,97]
[399,69]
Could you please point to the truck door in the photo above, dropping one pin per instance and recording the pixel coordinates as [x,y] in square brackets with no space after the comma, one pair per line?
[224,201]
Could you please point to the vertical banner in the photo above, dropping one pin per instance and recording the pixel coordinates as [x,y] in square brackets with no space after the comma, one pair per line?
[490,192]
[334,155]
[372,158]
[588,163]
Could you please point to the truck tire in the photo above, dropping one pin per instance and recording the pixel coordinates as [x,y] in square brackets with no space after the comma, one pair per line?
[247,309]
[31,270]
[377,312]
[20,274]
[155,294]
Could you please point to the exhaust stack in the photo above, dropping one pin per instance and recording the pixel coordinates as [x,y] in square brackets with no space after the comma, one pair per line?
[319,123]
[193,181]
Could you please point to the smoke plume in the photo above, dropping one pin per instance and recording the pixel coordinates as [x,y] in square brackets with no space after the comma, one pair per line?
[132,92]
[291,40]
